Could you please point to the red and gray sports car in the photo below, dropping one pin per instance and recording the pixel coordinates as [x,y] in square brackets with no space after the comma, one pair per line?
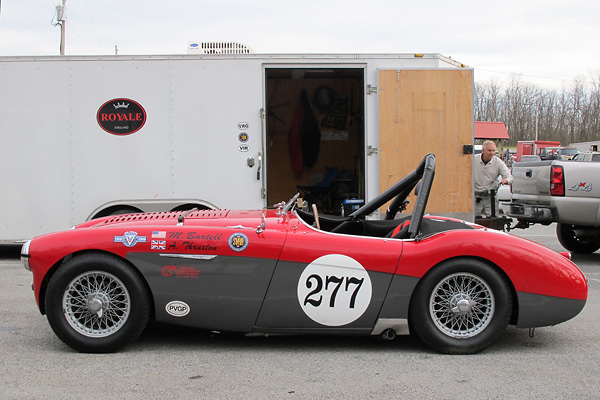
[289,271]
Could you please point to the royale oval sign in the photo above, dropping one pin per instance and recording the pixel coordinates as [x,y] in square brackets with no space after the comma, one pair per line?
[121,116]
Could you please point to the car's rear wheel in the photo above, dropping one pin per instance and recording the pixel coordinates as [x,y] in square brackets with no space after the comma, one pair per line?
[96,303]
[583,244]
[461,307]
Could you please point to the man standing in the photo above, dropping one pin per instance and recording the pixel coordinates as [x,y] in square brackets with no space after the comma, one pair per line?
[487,168]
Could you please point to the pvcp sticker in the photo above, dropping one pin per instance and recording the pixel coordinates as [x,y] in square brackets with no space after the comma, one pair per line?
[334,290]
[177,308]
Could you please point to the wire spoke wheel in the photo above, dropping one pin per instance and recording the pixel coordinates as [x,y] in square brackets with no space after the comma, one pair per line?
[96,304]
[462,305]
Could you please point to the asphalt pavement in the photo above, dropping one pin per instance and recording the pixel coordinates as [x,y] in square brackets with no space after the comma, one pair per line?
[558,362]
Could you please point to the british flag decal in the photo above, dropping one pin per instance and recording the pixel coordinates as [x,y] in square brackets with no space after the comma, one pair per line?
[158,245]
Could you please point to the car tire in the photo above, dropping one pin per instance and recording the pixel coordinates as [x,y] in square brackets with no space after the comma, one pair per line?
[97,303]
[460,307]
[568,239]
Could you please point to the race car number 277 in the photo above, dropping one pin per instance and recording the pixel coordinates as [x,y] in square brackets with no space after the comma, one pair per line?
[334,290]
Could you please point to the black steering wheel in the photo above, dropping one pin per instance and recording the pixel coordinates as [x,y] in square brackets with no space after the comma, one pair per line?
[398,204]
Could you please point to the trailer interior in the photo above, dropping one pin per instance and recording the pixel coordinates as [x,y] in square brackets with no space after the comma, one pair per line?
[315,136]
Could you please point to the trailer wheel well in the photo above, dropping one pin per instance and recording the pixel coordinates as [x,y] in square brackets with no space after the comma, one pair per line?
[189,206]
[117,210]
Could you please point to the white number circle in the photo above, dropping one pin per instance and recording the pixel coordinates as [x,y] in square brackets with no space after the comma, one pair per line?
[334,290]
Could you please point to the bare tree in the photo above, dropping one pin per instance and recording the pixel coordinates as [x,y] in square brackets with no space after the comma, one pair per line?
[570,115]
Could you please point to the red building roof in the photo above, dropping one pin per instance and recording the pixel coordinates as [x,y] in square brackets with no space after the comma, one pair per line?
[490,130]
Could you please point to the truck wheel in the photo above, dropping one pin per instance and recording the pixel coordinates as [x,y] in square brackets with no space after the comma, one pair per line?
[96,303]
[577,244]
[460,307]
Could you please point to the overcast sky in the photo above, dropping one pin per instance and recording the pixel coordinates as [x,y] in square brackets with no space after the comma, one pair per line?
[549,43]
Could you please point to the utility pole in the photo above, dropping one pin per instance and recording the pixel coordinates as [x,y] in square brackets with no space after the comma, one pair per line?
[62,21]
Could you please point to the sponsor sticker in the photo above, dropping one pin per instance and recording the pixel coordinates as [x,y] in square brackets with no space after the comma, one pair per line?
[130,239]
[243,126]
[158,244]
[334,290]
[243,137]
[238,242]
[180,272]
[177,308]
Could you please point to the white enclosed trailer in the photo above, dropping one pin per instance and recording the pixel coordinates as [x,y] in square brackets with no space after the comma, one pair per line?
[89,136]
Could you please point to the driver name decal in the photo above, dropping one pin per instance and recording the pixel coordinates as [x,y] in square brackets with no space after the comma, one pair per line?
[334,290]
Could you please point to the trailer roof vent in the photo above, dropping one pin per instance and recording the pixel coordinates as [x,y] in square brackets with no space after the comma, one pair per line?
[218,48]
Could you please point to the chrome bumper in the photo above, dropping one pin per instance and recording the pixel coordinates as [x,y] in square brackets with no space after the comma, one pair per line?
[25,255]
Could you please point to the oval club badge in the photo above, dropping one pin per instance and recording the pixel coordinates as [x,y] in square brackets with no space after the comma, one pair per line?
[121,116]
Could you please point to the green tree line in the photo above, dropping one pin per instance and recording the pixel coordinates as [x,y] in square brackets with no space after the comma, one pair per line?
[569,115]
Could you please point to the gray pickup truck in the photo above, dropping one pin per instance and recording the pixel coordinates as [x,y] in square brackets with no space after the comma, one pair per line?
[562,191]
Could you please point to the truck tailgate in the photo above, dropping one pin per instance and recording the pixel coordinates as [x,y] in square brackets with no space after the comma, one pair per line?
[531,177]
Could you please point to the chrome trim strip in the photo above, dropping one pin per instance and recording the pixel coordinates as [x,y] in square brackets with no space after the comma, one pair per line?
[239,227]
[203,257]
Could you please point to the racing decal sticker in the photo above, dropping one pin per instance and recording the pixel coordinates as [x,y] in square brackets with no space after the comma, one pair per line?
[177,308]
[158,244]
[238,242]
[130,239]
[334,290]
[242,126]
[194,235]
[159,235]
[243,137]
[180,272]
[190,241]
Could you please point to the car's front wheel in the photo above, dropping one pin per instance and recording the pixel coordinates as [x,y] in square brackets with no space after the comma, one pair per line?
[96,303]
[461,307]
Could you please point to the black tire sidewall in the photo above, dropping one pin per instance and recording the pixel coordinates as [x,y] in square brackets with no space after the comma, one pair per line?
[421,321]
[138,294]
[567,239]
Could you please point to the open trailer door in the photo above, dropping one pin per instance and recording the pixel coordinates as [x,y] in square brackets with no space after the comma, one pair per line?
[429,111]
[315,134]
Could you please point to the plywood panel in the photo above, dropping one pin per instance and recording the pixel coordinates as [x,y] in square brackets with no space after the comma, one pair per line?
[428,111]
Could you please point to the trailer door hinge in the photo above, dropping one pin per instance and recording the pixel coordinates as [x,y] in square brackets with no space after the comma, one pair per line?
[371,150]
[371,89]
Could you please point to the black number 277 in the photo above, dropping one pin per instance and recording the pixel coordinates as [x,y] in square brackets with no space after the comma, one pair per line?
[314,298]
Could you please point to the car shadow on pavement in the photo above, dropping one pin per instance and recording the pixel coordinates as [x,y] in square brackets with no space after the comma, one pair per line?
[158,337]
